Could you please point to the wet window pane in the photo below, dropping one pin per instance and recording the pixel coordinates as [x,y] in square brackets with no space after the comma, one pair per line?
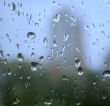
[54,53]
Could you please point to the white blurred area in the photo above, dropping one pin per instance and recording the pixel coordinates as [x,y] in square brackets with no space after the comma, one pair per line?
[92,18]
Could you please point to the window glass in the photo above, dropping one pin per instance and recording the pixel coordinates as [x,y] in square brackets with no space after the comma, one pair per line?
[54,53]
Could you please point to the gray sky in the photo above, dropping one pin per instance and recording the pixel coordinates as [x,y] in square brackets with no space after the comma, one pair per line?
[93,14]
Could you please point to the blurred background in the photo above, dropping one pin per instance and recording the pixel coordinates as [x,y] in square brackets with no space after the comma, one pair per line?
[54,53]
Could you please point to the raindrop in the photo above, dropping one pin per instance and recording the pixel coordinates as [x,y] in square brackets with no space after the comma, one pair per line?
[20,57]
[65,78]
[45,40]
[8,55]
[5,61]
[9,72]
[17,45]
[104,96]
[73,19]
[13,6]
[19,65]
[106,73]
[28,77]
[78,103]
[80,69]
[31,35]
[77,62]
[66,36]
[1,54]
[34,66]
[41,59]
[56,18]
[32,54]
[47,101]
[54,44]
[16,101]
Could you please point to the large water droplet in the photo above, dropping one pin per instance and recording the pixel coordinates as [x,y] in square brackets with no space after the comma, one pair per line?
[34,66]
[31,35]
[13,6]
[20,57]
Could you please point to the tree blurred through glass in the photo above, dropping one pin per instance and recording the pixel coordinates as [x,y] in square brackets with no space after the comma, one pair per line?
[54,53]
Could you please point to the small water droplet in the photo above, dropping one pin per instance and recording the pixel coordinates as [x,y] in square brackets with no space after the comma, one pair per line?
[41,59]
[65,78]
[17,45]
[106,73]
[16,101]
[56,18]
[5,61]
[1,54]
[73,19]
[66,36]
[77,62]
[45,40]
[20,57]
[47,101]
[54,44]
[8,55]
[9,72]
[104,95]
[34,66]
[32,54]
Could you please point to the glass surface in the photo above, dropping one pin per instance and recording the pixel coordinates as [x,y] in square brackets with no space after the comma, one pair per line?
[54,53]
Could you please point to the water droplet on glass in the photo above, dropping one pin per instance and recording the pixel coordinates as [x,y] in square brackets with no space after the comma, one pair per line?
[77,62]
[65,78]
[66,36]
[104,96]
[13,6]
[16,101]
[56,18]
[54,44]
[34,66]
[73,18]
[8,55]
[17,45]
[1,54]
[41,59]
[78,103]
[9,72]
[47,101]
[5,61]
[20,57]
[106,73]
[80,71]
[45,40]
[32,54]
[31,35]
